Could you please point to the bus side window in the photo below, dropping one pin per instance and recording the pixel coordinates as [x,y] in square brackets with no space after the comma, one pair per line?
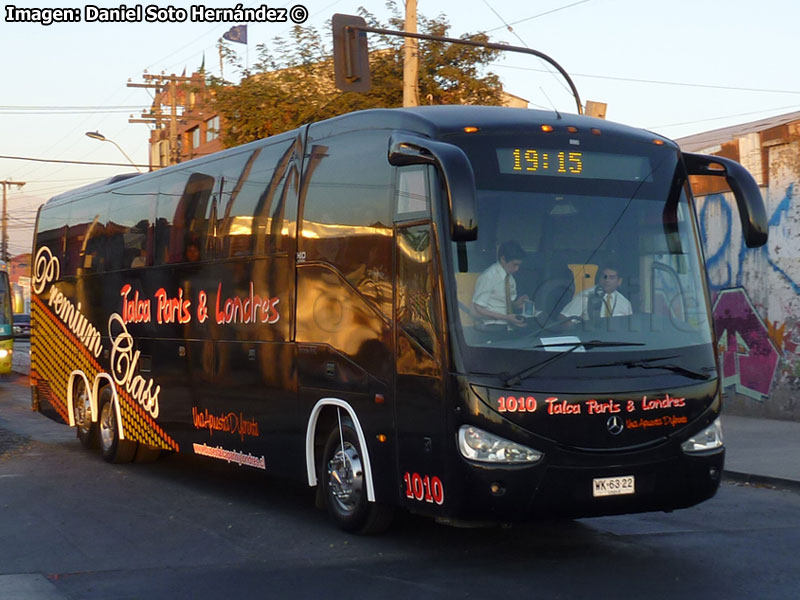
[198,210]
[181,217]
[52,229]
[231,179]
[252,223]
[417,314]
[129,227]
[413,196]
[348,211]
[170,190]
[86,236]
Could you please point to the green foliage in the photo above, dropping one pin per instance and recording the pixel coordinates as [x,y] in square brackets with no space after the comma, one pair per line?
[292,83]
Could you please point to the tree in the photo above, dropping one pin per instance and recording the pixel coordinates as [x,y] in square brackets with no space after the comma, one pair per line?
[293,84]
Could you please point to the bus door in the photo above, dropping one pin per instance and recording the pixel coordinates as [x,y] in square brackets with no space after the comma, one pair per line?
[419,386]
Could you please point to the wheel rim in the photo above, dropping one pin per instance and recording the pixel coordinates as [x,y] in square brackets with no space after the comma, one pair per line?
[346,478]
[108,426]
[82,410]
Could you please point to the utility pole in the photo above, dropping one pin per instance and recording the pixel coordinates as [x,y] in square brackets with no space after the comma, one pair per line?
[5,185]
[411,58]
[166,87]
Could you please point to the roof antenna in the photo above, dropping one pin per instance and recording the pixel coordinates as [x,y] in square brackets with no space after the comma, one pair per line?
[558,114]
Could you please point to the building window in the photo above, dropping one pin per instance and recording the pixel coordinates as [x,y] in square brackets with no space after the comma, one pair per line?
[195,137]
[212,129]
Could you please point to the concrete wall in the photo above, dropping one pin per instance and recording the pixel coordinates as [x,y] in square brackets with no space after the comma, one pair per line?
[756,292]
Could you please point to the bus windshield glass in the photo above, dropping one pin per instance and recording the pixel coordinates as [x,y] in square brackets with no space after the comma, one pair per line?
[581,239]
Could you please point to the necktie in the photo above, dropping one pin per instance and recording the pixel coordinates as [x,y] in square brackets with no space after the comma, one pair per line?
[609,308]
[508,294]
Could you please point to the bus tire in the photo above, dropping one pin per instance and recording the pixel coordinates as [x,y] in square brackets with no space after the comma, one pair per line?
[114,449]
[87,430]
[344,486]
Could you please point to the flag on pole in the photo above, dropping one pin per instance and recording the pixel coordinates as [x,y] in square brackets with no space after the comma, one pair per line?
[237,33]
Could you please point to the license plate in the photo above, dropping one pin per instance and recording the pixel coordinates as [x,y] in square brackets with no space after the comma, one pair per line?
[613,486]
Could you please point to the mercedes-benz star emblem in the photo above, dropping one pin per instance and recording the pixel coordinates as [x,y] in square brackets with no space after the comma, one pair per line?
[615,425]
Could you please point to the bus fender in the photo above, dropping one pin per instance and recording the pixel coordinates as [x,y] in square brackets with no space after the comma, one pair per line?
[362,440]
[96,394]
[71,401]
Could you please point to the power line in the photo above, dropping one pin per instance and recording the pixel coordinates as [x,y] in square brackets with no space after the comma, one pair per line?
[73,162]
[746,114]
[660,82]
[71,112]
[508,25]
[513,31]
[30,107]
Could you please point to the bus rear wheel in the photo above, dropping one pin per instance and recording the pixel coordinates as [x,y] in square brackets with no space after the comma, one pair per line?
[82,411]
[344,487]
[114,449]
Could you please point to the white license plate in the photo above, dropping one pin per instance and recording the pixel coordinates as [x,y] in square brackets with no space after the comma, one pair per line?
[613,486]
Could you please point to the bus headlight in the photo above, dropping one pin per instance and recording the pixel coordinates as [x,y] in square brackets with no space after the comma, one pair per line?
[708,439]
[479,445]
[4,353]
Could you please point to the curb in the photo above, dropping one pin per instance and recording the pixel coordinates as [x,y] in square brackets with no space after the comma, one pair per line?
[761,480]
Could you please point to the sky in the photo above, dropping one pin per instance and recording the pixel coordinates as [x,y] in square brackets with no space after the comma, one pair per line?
[676,67]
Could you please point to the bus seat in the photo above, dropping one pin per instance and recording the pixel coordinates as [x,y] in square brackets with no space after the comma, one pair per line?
[465,289]
[553,295]
[584,275]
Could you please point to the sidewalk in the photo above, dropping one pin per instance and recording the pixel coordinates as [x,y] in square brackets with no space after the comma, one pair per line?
[762,451]
[758,451]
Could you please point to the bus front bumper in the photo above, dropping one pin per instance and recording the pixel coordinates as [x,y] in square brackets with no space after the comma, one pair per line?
[572,490]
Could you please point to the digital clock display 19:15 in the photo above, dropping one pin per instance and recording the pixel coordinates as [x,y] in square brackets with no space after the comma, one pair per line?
[567,163]
[550,162]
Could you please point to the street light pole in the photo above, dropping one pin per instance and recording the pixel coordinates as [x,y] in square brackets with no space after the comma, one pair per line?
[96,135]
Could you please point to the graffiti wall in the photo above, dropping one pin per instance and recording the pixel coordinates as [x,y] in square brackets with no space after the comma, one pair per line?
[756,293]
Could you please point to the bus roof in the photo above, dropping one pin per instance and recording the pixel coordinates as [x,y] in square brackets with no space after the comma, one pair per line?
[92,186]
[431,121]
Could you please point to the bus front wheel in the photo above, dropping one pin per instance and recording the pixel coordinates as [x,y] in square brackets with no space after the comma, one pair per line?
[114,449]
[344,485]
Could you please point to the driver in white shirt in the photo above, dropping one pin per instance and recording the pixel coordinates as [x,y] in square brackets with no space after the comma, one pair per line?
[613,303]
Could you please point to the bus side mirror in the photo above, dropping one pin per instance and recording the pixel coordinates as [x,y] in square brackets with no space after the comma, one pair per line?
[752,213]
[459,179]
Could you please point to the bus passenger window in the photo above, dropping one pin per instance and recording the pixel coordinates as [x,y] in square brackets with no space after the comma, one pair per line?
[52,229]
[230,182]
[182,215]
[170,190]
[249,193]
[85,236]
[129,227]
[348,211]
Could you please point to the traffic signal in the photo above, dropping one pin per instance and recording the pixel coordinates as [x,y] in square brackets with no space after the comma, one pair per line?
[350,54]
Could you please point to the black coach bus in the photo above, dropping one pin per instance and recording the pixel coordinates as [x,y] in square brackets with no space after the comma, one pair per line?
[310,305]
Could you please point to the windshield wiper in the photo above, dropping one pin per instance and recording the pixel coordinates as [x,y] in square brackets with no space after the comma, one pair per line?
[645,363]
[528,371]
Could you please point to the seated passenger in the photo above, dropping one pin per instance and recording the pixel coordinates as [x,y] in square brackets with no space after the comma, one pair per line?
[602,300]
[495,299]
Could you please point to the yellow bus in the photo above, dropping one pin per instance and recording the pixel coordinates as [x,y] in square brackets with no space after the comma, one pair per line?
[6,323]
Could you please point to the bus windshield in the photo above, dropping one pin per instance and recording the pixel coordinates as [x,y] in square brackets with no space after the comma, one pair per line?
[601,247]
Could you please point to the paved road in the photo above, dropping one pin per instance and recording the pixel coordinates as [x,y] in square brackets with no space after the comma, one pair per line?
[75,527]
